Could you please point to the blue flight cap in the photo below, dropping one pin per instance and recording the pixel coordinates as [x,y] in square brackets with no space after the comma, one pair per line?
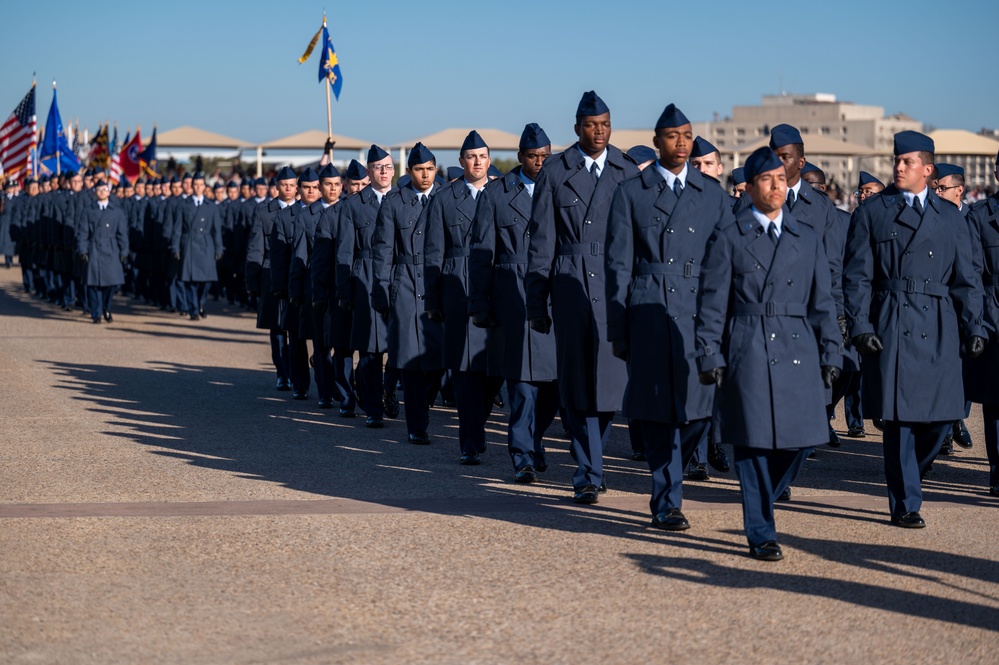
[591,104]
[641,154]
[809,167]
[454,172]
[738,176]
[99,183]
[42,179]
[867,179]
[420,154]
[197,176]
[375,154]
[218,185]
[702,147]
[762,160]
[233,184]
[533,137]
[404,180]
[308,175]
[944,170]
[89,173]
[782,135]
[125,182]
[287,173]
[355,171]
[910,141]
[473,142]
[98,171]
[273,181]
[493,172]
[671,117]
[260,182]
[173,179]
[328,171]
[188,176]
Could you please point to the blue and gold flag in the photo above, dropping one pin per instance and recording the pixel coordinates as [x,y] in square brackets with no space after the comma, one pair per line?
[329,65]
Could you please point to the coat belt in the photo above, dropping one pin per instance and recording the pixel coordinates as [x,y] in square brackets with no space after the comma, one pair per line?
[572,248]
[770,309]
[687,270]
[511,258]
[411,260]
[926,287]
[455,252]
[363,254]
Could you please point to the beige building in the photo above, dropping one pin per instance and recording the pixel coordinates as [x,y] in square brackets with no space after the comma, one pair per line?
[974,152]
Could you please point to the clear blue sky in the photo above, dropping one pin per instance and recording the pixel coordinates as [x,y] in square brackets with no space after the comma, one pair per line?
[411,69]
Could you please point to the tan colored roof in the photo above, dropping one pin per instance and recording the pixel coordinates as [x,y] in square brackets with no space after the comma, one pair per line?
[315,139]
[192,137]
[626,139]
[815,144]
[451,139]
[962,142]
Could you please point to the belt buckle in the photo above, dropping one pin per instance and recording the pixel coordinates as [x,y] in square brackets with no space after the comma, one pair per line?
[417,259]
[910,286]
[595,248]
[771,308]
[688,270]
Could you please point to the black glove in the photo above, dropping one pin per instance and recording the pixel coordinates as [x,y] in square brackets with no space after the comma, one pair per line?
[435,315]
[483,320]
[382,310]
[295,301]
[843,329]
[620,349]
[715,376]
[542,325]
[346,304]
[280,295]
[319,305]
[85,257]
[124,260]
[176,256]
[829,375]
[867,343]
[975,346]
[218,257]
[328,147]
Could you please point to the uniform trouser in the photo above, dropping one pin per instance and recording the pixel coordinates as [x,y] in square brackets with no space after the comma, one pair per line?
[53,282]
[418,388]
[473,397]
[669,449]
[342,379]
[990,414]
[372,383]
[847,388]
[280,353]
[178,295]
[699,454]
[27,276]
[909,449]
[533,405]
[298,363]
[763,475]
[8,260]
[67,293]
[589,431]
[195,295]
[322,367]
[99,299]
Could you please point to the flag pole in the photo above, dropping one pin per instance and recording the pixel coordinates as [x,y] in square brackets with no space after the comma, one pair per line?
[329,110]
[58,151]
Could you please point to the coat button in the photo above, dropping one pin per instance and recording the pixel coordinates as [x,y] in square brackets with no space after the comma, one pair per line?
[770,285]
[773,336]
[757,266]
[592,274]
[773,362]
[790,282]
[419,232]
[925,308]
[669,260]
[690,229]
[905,305]
[587,222]
[931,255]
[924,335]
[669,230]
[671,289]
[593,299]
[906,333]
[693,290]
[794,335]
[796,361]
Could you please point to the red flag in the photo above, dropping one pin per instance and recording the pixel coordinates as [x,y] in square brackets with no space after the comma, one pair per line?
[126,160]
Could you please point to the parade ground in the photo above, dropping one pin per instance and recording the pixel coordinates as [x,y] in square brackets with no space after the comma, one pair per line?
[161,502]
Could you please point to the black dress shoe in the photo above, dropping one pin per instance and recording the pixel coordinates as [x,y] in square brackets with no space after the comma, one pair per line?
[346,413]
[420,439]
[391,405]
[194,317]
[947,447]
[879,424]
[697,472]
[856,432]
[785,495]
[108,317]
[717,458]
[671,520]
[201,312]
[911,520]
[283,385]
[498,401]
[602,489]
[375,422]
[639,456]
[325,403]
[962,436]
[585,494]
[470,459]
[834,441]
[994,490]
[300,395]
[541,459]
[768,551]
[96,320]
[525,475]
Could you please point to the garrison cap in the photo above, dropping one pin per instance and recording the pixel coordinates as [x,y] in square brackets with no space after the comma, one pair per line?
[944,170]
[420,154]
[738,176]
[99,183]
[89,173]
[188,176]
[308,175]
[782,135]
[260,182]
[702,147]
[910,141]
[671,117]
[809,167]
[273,181]
[867,179]
[218,185]
[356,171]
[404,180]
[234,184]
[762,160]
[533,137]
[473,142]
[454,172]
[328,171]
[173,179]
[641,154]
[30,181]
[375,153]
[286,173]
[198,175]
[42,179]
[591,104]
[125,182]
[493,172]
[98,171]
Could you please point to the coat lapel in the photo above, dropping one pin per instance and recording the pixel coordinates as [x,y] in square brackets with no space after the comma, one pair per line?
[932,222]
[787,250]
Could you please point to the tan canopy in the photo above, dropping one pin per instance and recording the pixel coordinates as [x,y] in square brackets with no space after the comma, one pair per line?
[315,139]
[451,139]
[815,144]
[192,137]
[962,142]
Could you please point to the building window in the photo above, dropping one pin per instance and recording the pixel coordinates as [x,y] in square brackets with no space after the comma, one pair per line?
[740,131]
[825,131]
[719,131]
[804,130]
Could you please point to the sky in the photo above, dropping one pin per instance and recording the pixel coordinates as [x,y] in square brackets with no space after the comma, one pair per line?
[411,69]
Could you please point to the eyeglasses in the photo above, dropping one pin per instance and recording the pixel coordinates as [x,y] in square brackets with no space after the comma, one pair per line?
[384,167]
[941,188]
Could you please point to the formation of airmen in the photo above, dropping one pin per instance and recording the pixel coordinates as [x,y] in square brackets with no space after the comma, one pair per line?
[589,282]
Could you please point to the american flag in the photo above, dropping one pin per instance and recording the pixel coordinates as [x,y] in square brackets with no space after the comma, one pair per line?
[19,137]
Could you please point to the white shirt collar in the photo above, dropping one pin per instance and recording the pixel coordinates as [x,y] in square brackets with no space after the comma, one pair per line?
[472,188]
[197,201]
[601,159]
[282,204]
[764,221]
[670,177]
[796,188]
